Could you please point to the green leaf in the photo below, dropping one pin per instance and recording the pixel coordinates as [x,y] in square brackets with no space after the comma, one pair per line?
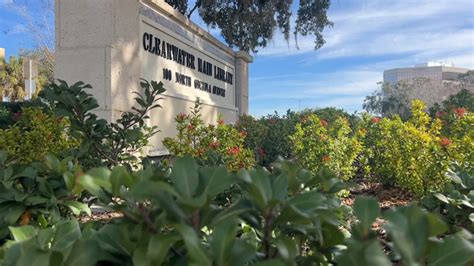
[242,253]
[116,239]
[218,179]
[120,177]
[147,189]
[332,235]
[185,176]
[85,252]
[70,180]
[67,234]
[367,253]
[367,210]
[441,197]
[158,247]
[436,226]
[168,204]
[34,257]
[236,209]
[95,180]
[222,240]
[301,207]
[3,156]
[273,262]
[78,207]
[280,187]
[193,245]
[287,248]
[23,233]
[453,251]
[11,211]
[52,162]
[45,237]
[260,189]
[410,227]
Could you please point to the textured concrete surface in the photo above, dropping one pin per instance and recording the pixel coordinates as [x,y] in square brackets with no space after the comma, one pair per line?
[99,42]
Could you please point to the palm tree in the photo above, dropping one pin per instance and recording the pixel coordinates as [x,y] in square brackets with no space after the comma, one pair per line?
[11,79]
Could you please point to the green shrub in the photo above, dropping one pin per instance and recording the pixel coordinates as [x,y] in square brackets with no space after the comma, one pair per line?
[40,194]
[461,132]
[411,155]
[456,201]
[209,144]
[171,217]
[101,142]
[10,110]
[268,136]
[34,135]
[318,143]
[413,238]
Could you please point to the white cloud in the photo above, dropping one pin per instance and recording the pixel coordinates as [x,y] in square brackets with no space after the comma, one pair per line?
[18,29]
[353,82]
[373,28]
[370,36]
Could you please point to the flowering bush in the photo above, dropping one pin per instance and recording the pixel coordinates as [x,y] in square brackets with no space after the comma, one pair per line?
[10,111]
[210,144]
[268,136]
[462,135]
[318,143]
[412,154]
[35,134]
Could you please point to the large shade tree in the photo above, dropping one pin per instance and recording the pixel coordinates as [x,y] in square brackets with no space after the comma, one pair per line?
[250,24]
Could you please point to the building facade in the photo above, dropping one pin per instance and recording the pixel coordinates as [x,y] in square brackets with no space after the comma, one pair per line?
[430,82]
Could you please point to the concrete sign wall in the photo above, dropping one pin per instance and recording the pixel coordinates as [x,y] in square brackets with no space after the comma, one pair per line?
[112,44]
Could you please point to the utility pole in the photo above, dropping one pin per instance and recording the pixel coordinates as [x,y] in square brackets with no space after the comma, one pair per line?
[299,102]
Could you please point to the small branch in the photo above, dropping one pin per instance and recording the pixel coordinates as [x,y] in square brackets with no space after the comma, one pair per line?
[198,4]
[196,220]
[147,219]
[267,232]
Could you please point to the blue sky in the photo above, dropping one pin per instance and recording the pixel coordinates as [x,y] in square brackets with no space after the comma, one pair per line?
[368,36]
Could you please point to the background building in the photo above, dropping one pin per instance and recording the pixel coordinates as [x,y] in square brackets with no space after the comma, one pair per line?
[431,70]
[431,82]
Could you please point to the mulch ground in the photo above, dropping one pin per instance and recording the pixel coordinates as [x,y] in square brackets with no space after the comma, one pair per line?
[387,196]
[102,217]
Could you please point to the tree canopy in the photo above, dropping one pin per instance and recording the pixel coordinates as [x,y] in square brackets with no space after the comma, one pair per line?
[11,79]
[250,24]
